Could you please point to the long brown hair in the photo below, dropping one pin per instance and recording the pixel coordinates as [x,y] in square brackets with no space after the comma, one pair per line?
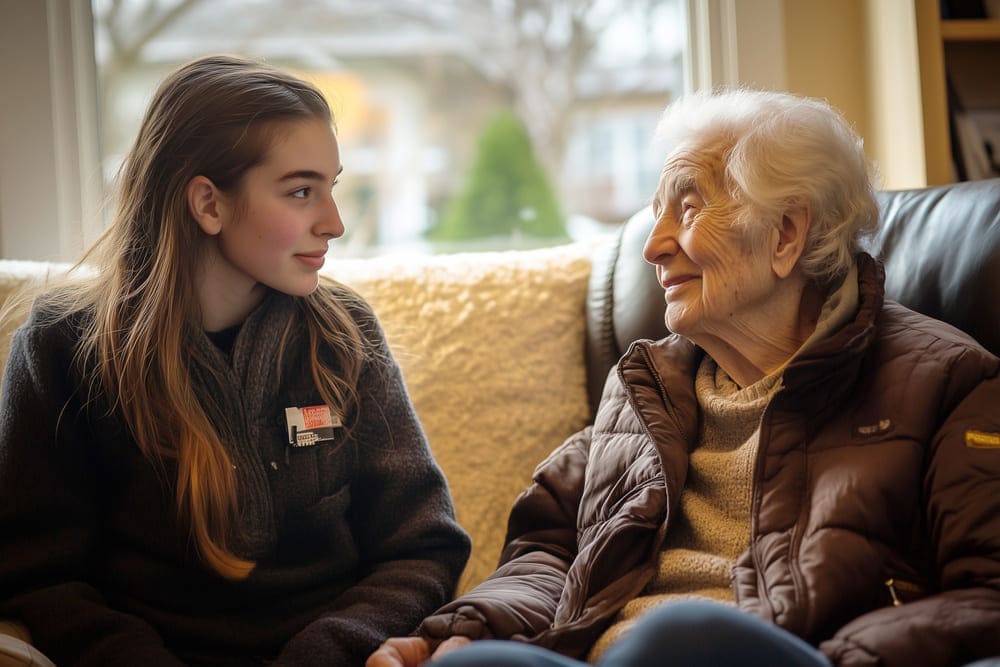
[215,117]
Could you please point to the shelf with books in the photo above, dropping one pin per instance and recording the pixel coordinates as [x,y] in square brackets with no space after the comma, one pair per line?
[960,88]
[970,30]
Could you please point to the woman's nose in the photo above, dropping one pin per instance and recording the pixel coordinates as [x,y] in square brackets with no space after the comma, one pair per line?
[330,223]
[661,244]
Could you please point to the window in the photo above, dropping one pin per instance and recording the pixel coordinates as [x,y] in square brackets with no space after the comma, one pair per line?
[425,94]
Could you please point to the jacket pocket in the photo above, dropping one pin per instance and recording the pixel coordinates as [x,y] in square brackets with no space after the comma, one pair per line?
[324,526]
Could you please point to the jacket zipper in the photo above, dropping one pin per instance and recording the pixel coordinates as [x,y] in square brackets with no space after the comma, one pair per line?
[764,435]
[578,608]
[900,591]
[651,367]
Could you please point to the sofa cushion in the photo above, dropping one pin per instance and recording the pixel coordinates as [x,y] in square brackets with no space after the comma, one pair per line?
[491,348]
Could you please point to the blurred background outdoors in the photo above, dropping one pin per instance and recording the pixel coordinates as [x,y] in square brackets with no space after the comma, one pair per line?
[464,124]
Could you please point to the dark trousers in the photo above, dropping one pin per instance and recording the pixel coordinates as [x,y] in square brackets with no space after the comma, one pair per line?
[688,633]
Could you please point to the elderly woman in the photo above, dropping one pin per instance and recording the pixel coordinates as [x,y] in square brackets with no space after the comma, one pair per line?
[799,475]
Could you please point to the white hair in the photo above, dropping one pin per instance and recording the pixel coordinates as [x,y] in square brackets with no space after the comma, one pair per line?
[779,150]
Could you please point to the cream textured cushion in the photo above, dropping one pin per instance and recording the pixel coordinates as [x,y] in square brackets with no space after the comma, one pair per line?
[492,350]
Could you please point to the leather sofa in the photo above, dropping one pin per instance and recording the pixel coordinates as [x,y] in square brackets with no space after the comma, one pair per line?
[505,354]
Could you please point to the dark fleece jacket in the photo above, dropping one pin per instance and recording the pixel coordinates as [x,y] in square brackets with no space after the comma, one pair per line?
[354,540]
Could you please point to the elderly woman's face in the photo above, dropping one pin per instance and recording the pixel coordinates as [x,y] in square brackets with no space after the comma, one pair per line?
[715,274]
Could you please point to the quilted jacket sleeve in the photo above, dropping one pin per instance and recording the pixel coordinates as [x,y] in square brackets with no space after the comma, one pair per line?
[519,599]
[962,486]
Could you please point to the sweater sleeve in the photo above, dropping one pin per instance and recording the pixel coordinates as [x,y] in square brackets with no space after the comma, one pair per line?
[519,600]
[48,514]
[959,623]
[410,545]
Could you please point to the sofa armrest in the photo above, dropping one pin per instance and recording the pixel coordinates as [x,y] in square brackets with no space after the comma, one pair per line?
[624,302]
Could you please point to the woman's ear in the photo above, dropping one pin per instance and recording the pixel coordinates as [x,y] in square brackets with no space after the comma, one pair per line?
[789,239]
[206,204]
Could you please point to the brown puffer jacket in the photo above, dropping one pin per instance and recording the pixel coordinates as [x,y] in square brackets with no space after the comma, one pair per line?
[878,461]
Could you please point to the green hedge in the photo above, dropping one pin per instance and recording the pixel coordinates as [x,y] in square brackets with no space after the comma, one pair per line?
[506,193]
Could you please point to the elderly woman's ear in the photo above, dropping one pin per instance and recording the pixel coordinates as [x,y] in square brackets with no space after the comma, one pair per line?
[788,239]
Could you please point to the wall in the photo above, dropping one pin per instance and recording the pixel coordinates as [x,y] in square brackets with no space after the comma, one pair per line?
[895,102]
[826,57]
[27,172]
[860,55]
[48,204]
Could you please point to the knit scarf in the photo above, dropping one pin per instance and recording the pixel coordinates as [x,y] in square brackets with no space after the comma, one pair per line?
[234,391]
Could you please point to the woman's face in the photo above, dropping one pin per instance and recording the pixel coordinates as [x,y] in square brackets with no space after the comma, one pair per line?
[715,275]
[286,214]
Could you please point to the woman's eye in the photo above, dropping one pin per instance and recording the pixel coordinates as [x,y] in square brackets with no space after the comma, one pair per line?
[688,213]
[301,193]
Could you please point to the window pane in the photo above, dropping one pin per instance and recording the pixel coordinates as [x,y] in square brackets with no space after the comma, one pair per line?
[464,124]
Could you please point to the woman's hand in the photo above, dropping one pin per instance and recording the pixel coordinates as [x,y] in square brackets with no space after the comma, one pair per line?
[411,651]
[400,652]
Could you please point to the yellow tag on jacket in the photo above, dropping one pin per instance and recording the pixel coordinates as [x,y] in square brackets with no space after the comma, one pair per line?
[981,440]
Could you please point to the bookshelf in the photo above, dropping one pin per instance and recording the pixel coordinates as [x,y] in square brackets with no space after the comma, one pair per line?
[965,55]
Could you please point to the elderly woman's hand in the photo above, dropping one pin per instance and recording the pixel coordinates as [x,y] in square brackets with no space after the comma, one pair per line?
[400,652]
[411,651]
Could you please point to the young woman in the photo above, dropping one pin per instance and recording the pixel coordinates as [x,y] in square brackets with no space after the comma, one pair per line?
[207,455]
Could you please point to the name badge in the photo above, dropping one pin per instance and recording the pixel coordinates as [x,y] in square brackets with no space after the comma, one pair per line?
[311,425]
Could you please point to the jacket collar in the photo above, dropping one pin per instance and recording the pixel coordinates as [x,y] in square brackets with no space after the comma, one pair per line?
[832,366]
